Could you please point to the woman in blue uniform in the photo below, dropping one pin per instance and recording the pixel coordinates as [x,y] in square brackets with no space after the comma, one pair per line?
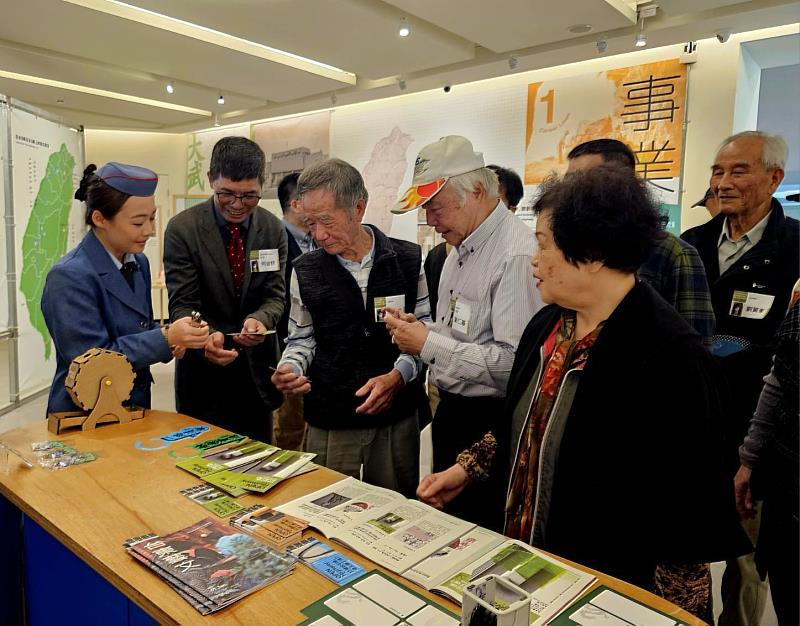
[98,294]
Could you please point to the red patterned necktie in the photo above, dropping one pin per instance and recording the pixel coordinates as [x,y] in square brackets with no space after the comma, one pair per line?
[236,256]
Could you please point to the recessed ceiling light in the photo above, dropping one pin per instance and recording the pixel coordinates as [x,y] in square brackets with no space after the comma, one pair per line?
[221,99]
[170,88]
[405,28]
[215,37]
[85,89]
[579,29]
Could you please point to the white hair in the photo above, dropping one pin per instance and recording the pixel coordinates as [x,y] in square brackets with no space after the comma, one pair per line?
[464,184]
[775,152]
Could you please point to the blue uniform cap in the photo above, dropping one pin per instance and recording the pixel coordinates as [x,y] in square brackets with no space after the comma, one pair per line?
[130,179]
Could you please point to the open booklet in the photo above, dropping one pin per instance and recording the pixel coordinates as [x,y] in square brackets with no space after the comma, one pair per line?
[437,551]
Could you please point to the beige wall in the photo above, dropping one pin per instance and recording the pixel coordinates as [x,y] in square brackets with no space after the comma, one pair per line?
[163,153]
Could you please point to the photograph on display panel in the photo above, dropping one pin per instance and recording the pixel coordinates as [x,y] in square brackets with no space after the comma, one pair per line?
[291,145]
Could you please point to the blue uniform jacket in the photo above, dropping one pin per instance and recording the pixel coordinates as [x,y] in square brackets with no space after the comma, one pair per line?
[88,304]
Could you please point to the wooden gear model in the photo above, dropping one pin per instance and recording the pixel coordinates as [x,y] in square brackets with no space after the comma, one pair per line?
[98,381]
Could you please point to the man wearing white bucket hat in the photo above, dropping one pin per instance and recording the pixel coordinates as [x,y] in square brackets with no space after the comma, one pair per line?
[486,296]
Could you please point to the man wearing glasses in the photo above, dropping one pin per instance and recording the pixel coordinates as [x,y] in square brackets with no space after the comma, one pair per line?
[225,259]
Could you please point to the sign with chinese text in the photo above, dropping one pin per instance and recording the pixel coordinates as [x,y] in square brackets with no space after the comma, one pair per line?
[642,106]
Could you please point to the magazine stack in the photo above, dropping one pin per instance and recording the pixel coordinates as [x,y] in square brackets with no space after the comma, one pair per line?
[211,564]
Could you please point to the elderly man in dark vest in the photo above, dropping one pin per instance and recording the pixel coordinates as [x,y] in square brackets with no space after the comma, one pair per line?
[362,394]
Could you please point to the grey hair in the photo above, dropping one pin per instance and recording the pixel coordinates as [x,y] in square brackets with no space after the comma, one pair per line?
[338,177]
[464,184]
[775,152]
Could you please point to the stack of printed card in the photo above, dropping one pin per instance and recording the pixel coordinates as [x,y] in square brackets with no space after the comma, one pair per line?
[270,526]
[210,564]
[247,466]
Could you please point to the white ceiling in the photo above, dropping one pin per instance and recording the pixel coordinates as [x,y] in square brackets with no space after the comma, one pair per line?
[451,41]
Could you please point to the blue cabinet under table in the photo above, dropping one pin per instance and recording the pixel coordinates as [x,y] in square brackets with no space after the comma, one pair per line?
[43,583]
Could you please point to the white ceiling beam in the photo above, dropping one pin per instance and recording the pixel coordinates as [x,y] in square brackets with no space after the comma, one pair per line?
[216,38]
[48,82]
[625,7]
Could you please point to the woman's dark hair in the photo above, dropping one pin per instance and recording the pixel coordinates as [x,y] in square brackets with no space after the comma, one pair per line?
[99,196]
[237,158]
[605,214]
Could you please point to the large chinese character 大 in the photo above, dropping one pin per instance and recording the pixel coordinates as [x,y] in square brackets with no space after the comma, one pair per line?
[194,166]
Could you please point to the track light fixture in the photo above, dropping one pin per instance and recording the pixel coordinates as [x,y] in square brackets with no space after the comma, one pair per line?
[405,28]
[644,12]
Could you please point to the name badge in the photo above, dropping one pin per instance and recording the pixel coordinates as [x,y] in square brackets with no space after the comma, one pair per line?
[264,261]
[393,302]
[462,314]
[754,306]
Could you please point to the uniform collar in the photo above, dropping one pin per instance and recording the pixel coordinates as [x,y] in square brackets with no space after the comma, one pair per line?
[127,258]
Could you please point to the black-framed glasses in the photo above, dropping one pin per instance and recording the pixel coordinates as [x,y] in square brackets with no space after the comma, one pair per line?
[248,199]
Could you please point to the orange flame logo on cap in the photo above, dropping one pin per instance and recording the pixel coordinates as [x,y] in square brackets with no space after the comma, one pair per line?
[416,196]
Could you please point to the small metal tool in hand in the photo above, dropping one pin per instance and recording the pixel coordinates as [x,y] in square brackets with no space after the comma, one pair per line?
[275,369]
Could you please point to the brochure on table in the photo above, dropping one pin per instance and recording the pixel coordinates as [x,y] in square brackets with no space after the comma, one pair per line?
[437,551]
[258,466]
[604,607]
[375,599]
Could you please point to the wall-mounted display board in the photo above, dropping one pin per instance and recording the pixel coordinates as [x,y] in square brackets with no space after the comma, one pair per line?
[48,163]
[642,106]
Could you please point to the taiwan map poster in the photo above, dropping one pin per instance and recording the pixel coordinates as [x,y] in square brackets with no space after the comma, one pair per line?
[48,166]
[642,106]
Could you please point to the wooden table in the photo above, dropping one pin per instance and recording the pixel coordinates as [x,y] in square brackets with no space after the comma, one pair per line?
[126,492]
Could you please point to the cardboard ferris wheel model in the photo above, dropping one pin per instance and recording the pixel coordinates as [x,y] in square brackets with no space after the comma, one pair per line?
[98,381]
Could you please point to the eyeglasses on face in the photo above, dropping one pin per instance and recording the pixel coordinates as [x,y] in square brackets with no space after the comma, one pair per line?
[248,199]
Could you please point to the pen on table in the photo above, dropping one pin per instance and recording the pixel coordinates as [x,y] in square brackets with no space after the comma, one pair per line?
[275,369]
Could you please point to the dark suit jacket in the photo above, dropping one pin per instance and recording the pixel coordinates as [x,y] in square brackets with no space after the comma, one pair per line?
[86,303]
[770,268]
[199,279]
